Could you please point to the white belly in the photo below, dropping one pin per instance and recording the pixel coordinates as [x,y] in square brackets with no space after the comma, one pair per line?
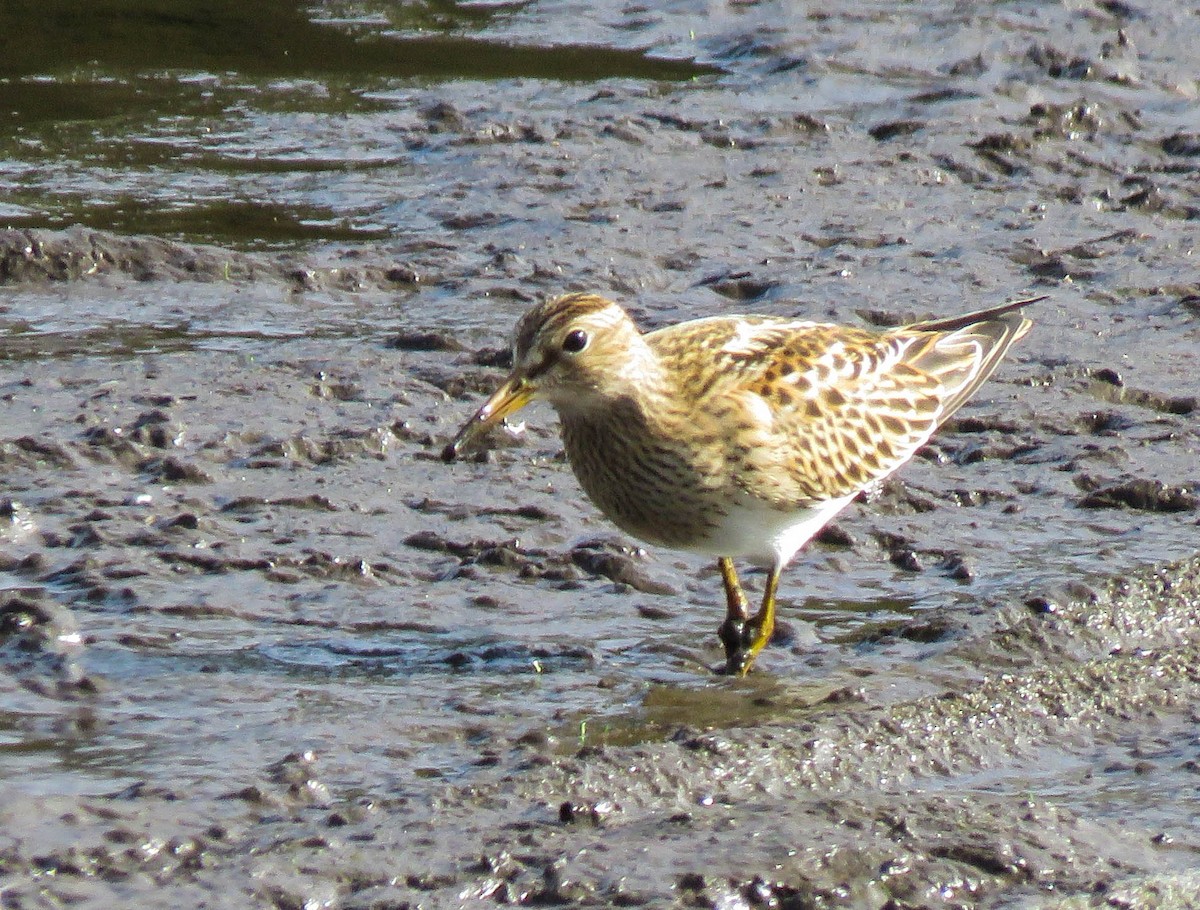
[767,536]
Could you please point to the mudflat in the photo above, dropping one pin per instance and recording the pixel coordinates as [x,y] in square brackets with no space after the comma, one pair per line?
[259,646]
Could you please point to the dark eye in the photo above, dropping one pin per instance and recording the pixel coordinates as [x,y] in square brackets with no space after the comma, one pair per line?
[575,341]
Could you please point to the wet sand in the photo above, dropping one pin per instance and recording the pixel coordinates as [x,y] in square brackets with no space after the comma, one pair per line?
[260,647]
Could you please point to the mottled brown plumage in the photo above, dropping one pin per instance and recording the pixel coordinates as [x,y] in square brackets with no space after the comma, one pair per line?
[740,436]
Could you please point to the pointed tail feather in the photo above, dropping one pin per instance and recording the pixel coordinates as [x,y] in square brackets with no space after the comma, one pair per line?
[961,322]
[990,332]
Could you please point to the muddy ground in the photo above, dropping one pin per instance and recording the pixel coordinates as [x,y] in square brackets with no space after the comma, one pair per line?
[260,647]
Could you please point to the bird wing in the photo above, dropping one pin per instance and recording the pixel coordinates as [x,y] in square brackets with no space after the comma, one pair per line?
[808,412]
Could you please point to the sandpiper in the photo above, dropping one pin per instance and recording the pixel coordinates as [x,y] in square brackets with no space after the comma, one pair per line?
[739,437]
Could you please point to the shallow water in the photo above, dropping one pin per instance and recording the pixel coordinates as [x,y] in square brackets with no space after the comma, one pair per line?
[220,472]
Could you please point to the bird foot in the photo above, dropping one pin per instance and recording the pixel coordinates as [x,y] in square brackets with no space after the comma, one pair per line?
[741,640]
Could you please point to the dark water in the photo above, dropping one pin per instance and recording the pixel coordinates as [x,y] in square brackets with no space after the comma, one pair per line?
[218,436]
[252,124]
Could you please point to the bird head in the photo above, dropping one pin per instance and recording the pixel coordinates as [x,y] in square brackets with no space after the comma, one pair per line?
[574,351]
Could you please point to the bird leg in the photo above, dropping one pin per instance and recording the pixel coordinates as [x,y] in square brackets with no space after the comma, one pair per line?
[763,622]
[737,612]
[743,636]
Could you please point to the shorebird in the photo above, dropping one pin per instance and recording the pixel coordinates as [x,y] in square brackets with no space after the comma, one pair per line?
[739,437]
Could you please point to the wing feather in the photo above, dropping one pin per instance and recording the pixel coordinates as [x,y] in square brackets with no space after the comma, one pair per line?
[807,412]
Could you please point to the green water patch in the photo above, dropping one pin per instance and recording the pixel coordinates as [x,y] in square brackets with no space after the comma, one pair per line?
[213,221]
[278,39]
[215,121]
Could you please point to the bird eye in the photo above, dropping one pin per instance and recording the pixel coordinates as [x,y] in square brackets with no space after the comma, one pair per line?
[575,341]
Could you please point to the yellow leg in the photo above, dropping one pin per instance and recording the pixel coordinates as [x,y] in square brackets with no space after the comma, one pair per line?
[737,613]
[763,623]
[736,606]
[742,636]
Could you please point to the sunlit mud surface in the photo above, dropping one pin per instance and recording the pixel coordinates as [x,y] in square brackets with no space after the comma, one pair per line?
[259,646]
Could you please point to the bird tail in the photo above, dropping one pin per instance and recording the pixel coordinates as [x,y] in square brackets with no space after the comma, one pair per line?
[984,337]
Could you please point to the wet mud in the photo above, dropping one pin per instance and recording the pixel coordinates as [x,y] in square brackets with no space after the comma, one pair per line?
[259,646]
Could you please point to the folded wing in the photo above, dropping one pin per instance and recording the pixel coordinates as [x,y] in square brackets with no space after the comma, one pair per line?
[826,411]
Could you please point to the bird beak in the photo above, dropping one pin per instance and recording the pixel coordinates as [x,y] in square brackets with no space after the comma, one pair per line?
[514,394]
